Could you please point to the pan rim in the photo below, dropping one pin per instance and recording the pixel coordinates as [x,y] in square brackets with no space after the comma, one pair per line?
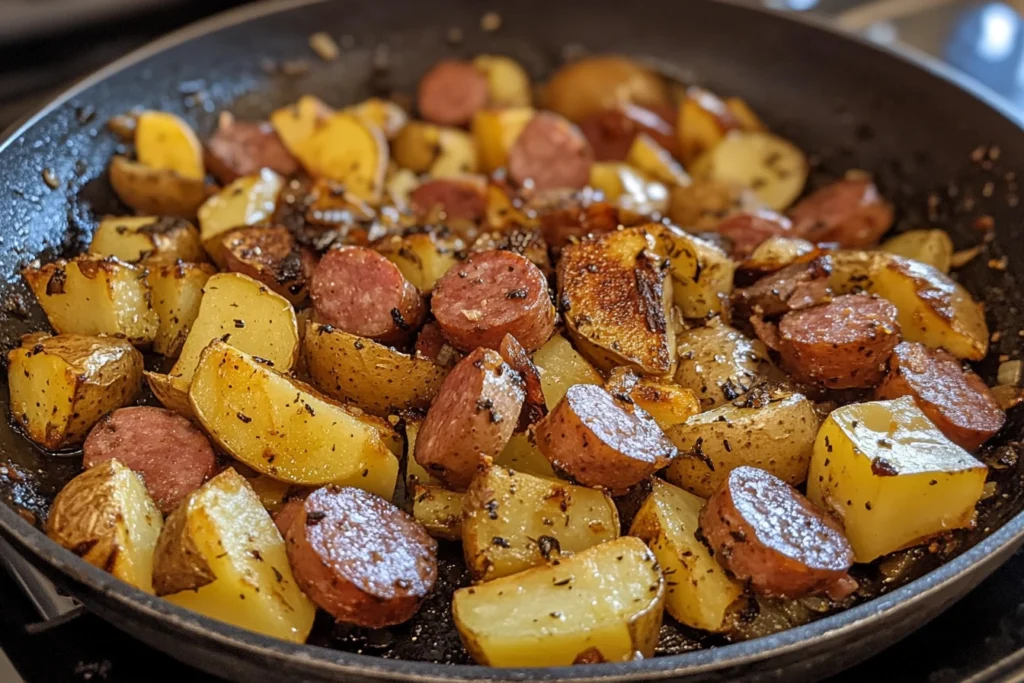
[828,630]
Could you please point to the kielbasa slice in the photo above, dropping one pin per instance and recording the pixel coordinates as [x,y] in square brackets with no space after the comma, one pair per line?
[534,407]
[955,399]
[360,292]
[797,286]
[171,454]
[360,558]
[471,419]
[602,442]
[489,295]
[747,230]
[286,514]
[760,528]
[850,213]
[272,256]
[240,148]
[550,153]
[430,343]
[611,132]
[840,345]
[451,92]
[462,198]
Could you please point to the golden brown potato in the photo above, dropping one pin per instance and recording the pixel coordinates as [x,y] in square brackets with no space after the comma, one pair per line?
[773,168]
[155,192]
[704,121]
[744,114]
[701,273]
[561,366]
[377,378]
[435,150]
[147,238]
[297,122]
[349,150]
[163,141]
[438,510]
[91,295]
[171,391]
[775,253]
[106,517]
[522,455]
[594,84]
[250,200]
[503,214]
[629,187]
[271,256]
[495,131]
[646,155]
[385,115]
[933,247]
[177,289]
[701,205]
[513,521]
[533,619]
[669,404]
[220,555]
[507,82]
[423,257]
[719,363]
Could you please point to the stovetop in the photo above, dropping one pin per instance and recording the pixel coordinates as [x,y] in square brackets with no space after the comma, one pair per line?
[979,639]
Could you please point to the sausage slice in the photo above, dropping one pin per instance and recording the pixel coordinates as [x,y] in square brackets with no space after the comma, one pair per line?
[239,148]
[272,256]
[747,230]
[956,400]
[491,294]
[550,153]
[171,454]
[451,92]
[471,419]
[850,213]
[840,345]
[359,291]
[600,441]
[360,558]
[611,132]
[797,286]
[760,528]
[458,197]
[534,407]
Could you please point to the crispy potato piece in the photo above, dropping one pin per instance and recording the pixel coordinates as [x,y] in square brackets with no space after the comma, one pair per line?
[933,247]
[522,455]
[703,204]
[177,289]
[281,427]
[773,168]
[92,295]
[163,141]
[777,252]
[221,555]
[147,238]
[495,131]
[156,192]
[297,122]
[773,430]
[439,151]
[628,187]
[348,150]
[704,121]
[669,404]
[561,366]
[61,386]
[423,257]
[237,309]
[250,200]
[891,477]
[507,81]
[719,363]
[271,256]
[616,299]
[375,377]
[385,115]
[106,517]
[533,619]
[655,161]
[438,510]
[513,521]
[701,594]
[701,273]
[593,84]
[502,214]
[171,391]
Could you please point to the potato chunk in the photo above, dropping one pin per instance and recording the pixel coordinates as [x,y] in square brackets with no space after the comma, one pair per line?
[349,150]
[646,155]
[508,83]
[91,295]
[423,257]
[156,192]
[61,386]
[891,476]
[106,517]
[933,247]
[561,366]
[282,427]
[495,131]
[250,200]
[532,618]
[438,510]
[147,238]
[522,455]
[177,291]
[165,142]
[774,168]
[297,122]
[221,555]
[719,363]
[513,521]
[669,404]
[701,273]
[700,594]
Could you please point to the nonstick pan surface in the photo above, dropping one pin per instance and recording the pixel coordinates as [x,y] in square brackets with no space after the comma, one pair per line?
[945,155]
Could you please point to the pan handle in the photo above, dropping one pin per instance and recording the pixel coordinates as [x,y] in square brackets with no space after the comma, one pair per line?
[54,607]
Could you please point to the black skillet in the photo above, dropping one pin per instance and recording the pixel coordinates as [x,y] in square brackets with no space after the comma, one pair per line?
[946,155]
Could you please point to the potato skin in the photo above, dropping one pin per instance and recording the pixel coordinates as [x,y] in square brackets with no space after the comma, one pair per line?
[719,363]
[583,88]
[156,192]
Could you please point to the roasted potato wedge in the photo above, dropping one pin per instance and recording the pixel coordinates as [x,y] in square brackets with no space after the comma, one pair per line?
[933,247]
[91,295]
[513,521]
[719,363]
[106,517]
[655,161]
[385,115]
[891,477]
[773,430]
[171,391]
[775,253]
[561,366]
[701,273]
[250,200]
[220,555]
[774,168]
[704,121]
[347,149]
[163,141]
[297,122]
[594,84]
[438,510]
[281,427]
[669,404]
[156,192]
[147,238]
[495,131]
[700,593]
[177,289]
[507,81]
[377,378]
[533,619]
[423,257]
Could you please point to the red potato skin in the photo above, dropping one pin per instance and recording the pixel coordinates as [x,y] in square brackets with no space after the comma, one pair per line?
[357,290]
[956,400]
[460,199]
[471,419]
[611,132]
[746,230]
[171,454]
[241,148]
[763,530]
[489,295]
[850,213]
[451,92]
[549,154]
[360,558]
[271,256]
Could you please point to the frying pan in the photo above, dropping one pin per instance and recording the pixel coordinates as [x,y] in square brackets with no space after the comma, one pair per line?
[945,154]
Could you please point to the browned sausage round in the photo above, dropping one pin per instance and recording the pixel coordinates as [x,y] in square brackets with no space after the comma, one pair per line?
[611,132]
[170,453]
[239,148]
[360,558]
[271,256]
[760,528]
[747,230]
[795,287]
[459,198]
[534,407]
[600,441]
[840,345]
[550,153]
[489,295]
[956,400]
[451,92]
[471,419]
[848,212]
[359,291]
